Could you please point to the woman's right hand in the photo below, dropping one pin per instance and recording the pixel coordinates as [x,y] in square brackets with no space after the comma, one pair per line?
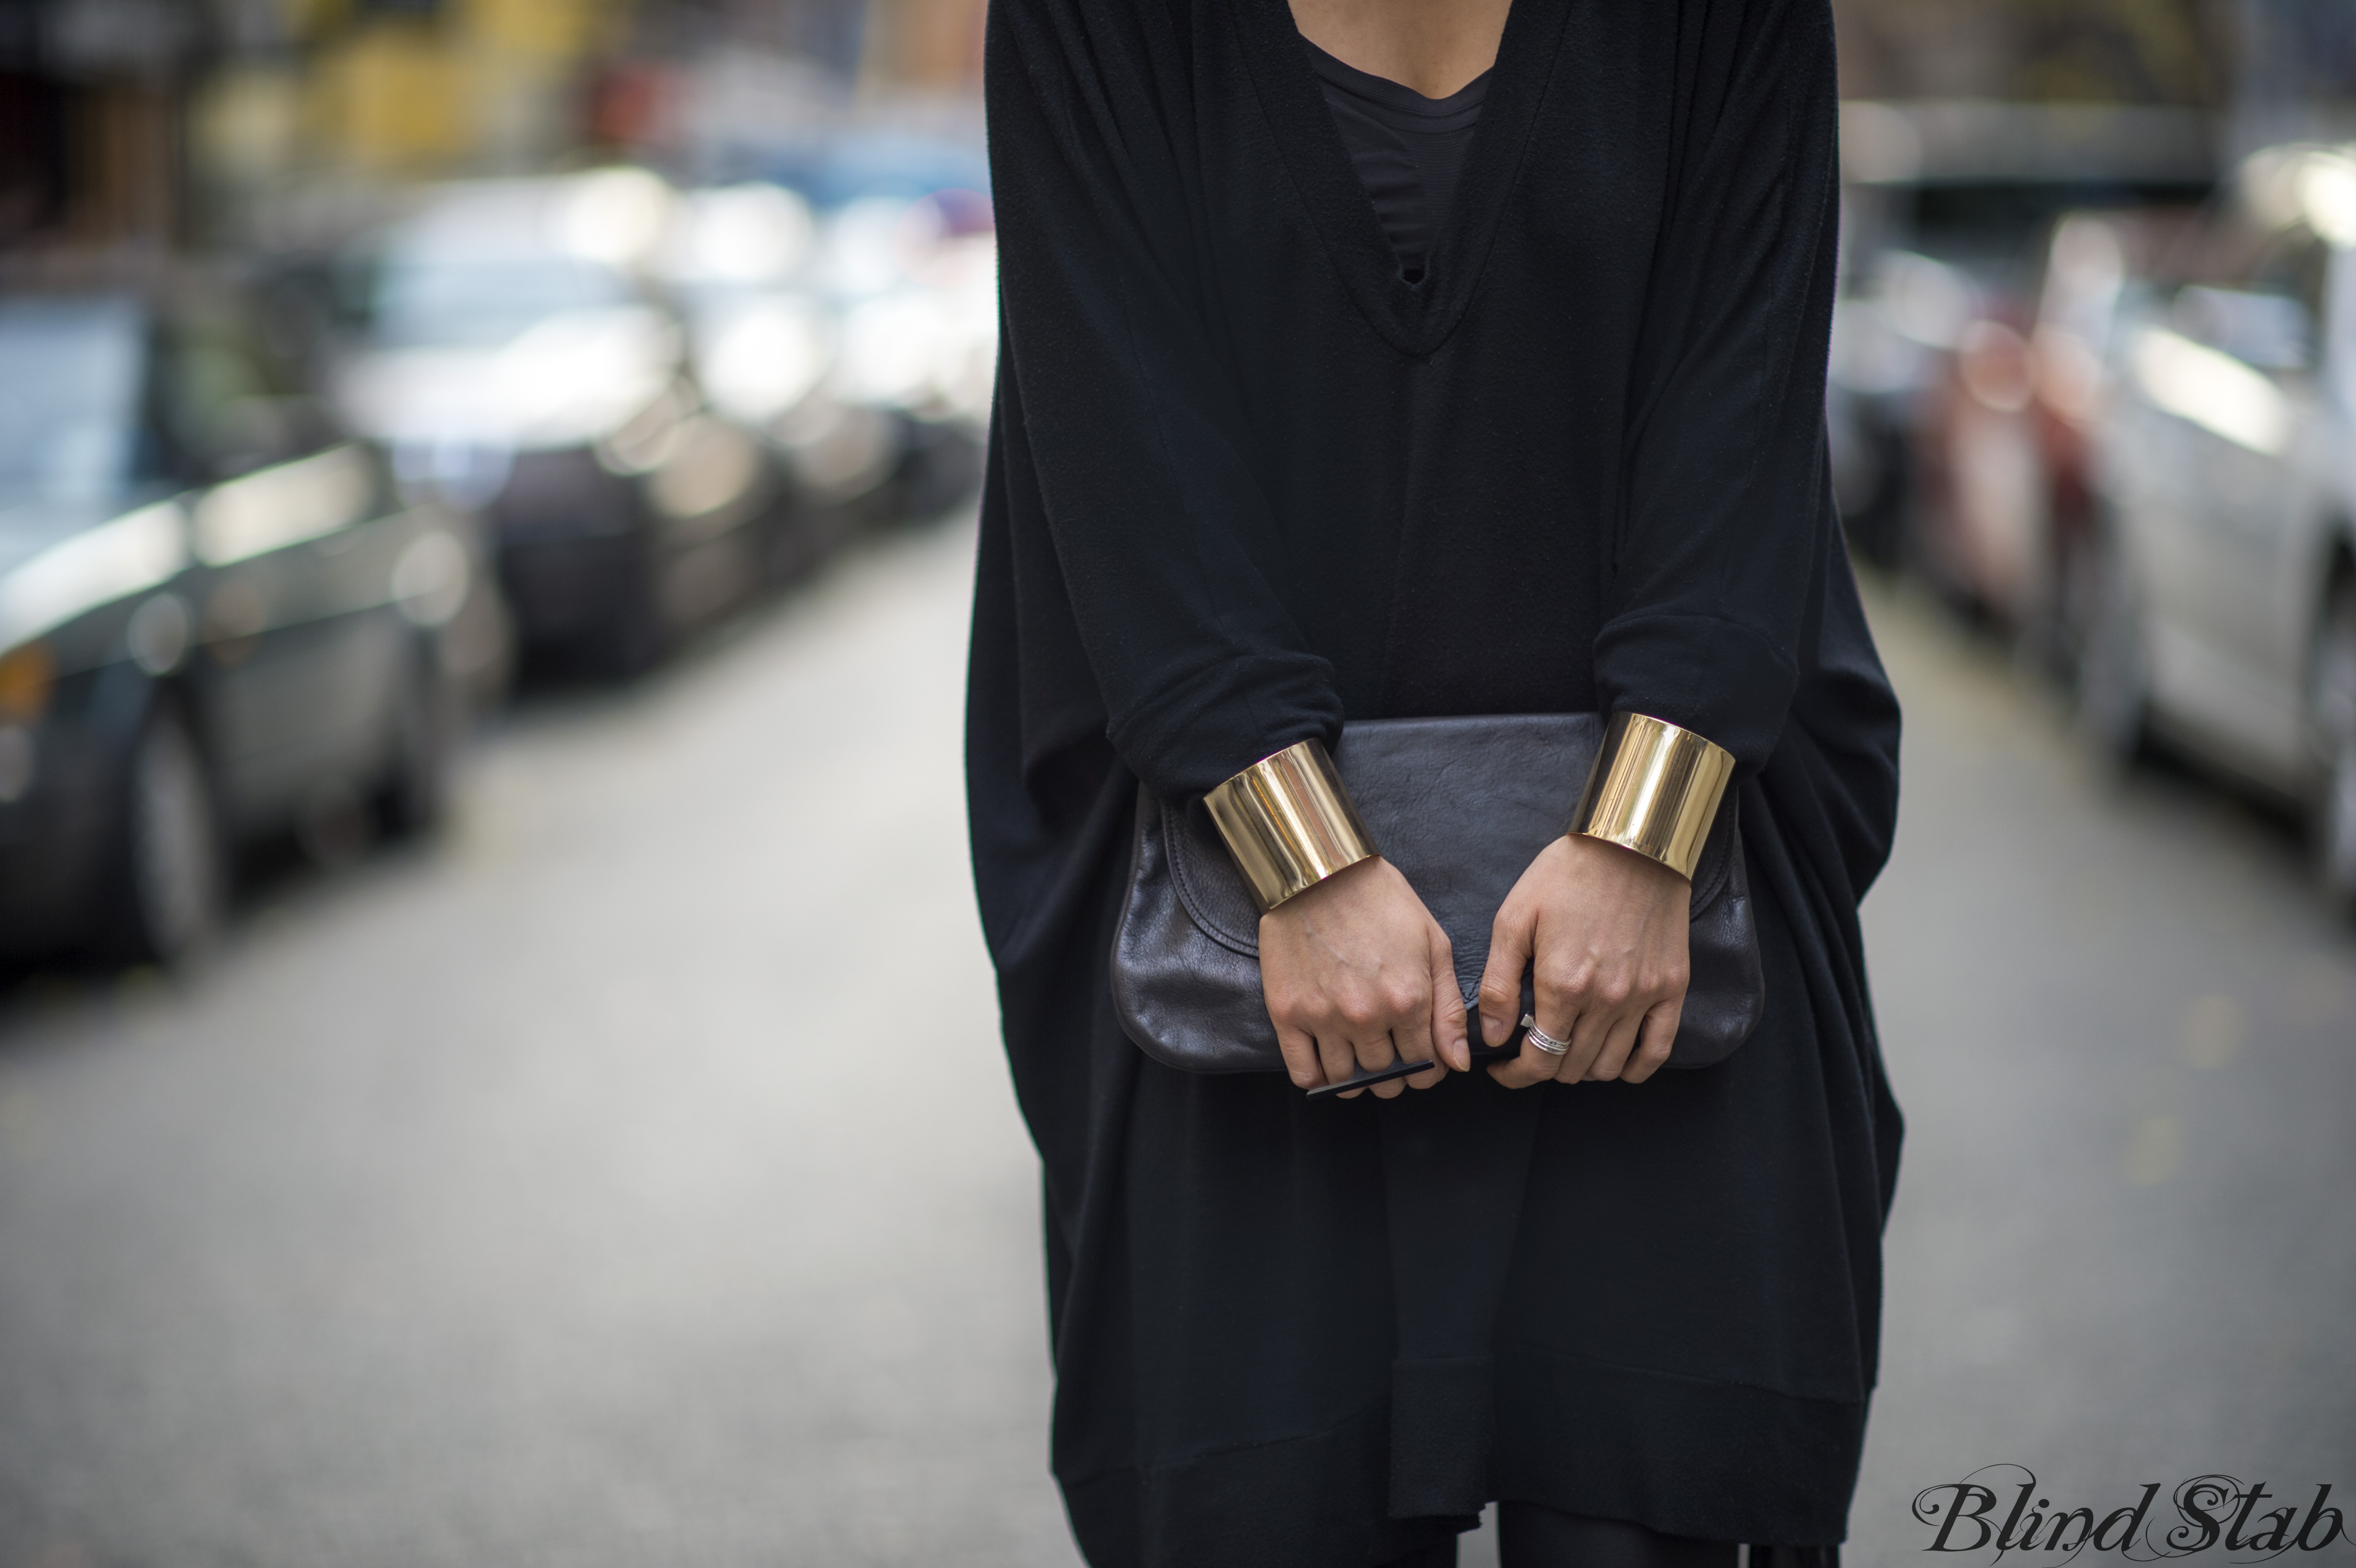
[1357,975]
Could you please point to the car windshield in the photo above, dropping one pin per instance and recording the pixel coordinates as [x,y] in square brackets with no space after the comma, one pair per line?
[472,302]
[69,372]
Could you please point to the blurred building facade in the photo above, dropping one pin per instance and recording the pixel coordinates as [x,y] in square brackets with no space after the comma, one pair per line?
[91,94]
[135,126]
[2109,51]
[2269,70]
[164,123]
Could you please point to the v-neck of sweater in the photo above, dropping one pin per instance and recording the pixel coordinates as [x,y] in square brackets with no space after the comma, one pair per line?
[1408,150]
[1416,315]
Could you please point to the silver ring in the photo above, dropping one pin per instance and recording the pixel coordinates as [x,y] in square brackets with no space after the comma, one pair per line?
[1542,1039]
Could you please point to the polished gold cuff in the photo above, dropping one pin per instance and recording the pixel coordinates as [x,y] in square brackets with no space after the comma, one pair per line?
[1289,823]
[1655,789]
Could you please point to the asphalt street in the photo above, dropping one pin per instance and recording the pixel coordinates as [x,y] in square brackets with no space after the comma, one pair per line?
[630,1176]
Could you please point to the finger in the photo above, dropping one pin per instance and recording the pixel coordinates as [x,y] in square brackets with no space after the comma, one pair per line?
[1300,1049]
[1356,1047]
[1510,937]
[1390,1089]
[1334,1055]
[1413,1041]
[1450,1035]
[1596,1022]
[1562,1013]
[1373,1049]
[1447,1024]
[1617,1042]
[1362,1058]
[1411,1035]
[1530,1065]
[1660,1037]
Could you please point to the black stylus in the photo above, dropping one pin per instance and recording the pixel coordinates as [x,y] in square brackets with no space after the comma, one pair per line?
[1482,1056]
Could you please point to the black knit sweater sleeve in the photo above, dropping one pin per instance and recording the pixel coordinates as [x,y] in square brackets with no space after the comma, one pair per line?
[1121,411]
[1712,582]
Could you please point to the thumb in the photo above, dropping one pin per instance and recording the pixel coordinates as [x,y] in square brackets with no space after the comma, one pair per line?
[1510,940]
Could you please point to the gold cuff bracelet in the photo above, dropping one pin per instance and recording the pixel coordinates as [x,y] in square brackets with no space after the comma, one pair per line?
[1289,823]
[1655,789]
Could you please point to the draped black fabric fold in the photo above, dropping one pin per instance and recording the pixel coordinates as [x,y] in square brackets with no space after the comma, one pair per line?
[1455,1162]
[1246,480]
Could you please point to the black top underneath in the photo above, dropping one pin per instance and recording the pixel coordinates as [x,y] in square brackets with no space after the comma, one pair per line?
[1407,149]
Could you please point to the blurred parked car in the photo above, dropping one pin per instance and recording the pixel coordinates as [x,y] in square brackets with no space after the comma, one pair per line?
[217,622]
[2217,598]
[1901,315]
[516,357]
[764,342]
[2002,482]
[916,284]
[904,255]
[1945,455]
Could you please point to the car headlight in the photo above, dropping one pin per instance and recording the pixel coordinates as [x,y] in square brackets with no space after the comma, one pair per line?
[27,677]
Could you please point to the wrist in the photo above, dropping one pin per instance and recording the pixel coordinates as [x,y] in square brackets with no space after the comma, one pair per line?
[1290,823]
[1655,789]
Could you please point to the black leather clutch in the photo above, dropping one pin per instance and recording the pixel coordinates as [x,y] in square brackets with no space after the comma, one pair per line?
[1461,806]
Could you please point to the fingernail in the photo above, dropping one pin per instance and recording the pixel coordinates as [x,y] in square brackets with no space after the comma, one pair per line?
[1492,1029]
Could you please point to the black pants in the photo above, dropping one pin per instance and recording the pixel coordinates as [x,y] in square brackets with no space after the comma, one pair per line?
[1531,1536]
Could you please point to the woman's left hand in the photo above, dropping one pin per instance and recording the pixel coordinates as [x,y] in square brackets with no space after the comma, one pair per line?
[1605,930]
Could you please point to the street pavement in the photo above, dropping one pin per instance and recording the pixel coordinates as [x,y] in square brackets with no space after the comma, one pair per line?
[630,1177]
[2124,1034]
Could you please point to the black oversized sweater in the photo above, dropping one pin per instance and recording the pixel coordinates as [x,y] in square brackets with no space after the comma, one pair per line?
[1247,481]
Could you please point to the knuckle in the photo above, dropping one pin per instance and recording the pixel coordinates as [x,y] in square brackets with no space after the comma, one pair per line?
[1613,990]
[1556,977]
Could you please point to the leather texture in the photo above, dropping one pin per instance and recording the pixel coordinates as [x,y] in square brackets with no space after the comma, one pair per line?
[1461,806]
